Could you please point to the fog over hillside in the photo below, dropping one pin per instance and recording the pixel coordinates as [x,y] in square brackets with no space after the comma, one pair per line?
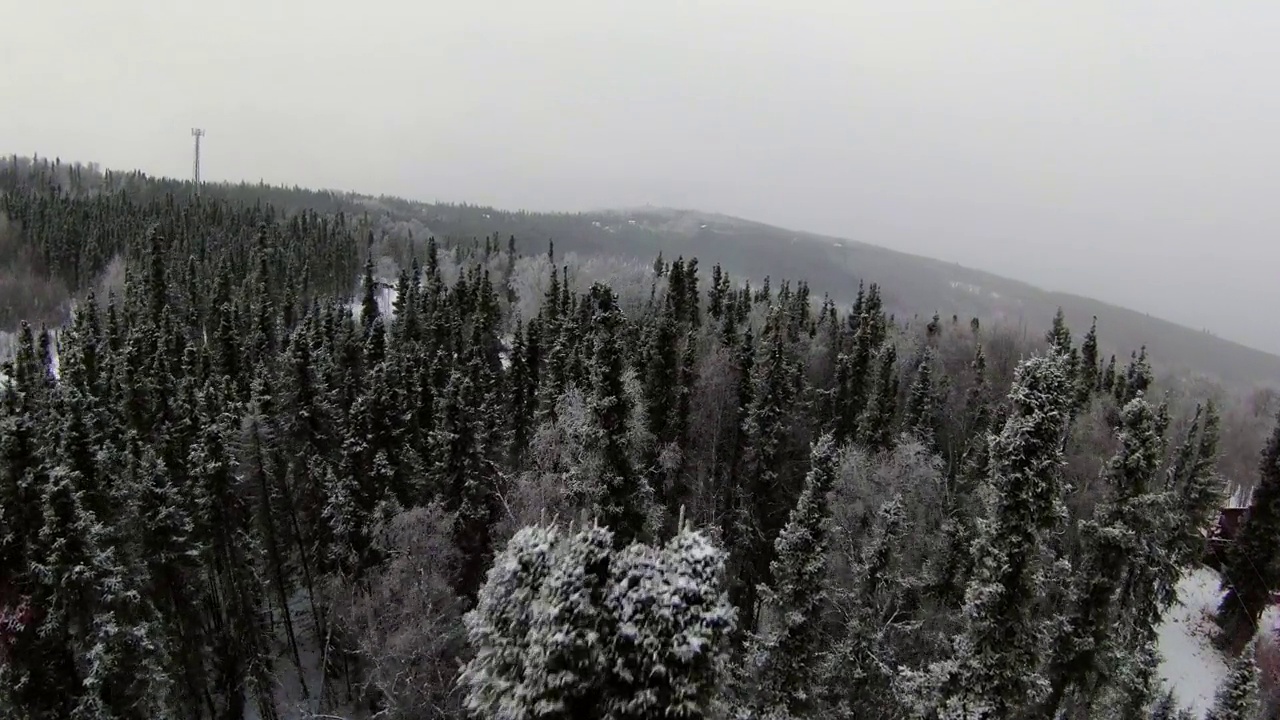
[331,455]
[684,359]
[1124,152]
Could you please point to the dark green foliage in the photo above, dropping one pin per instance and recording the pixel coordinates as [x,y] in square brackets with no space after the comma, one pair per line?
[1166,708]
[783,656]
[1089,380]
[920,415]
[767,489]
[1059,335]
[623,499]
[876,426]
[1237,699]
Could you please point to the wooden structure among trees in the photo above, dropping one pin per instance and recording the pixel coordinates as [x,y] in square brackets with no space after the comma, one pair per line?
[1230,518]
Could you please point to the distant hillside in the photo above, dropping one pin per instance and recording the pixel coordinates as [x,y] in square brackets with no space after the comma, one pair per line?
[912,285]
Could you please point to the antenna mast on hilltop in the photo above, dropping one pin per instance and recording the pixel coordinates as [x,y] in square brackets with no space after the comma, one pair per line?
[197,133]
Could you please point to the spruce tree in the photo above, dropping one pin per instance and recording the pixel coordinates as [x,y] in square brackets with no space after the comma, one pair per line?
[1195,492]
[522,385]
[919,416]
[716,294]
[37,666]
[1237,698]
[239,651]
[876,426]
[1138,375]
[855,368]
[1089,377]
[783,655]
[977,422]
[661,392]
[764,492]
[624,501]
[1112,541]
[997,669]
[1059,336]
[469,477]
[1166,707]
[564,648]
[674,622]
[501,624]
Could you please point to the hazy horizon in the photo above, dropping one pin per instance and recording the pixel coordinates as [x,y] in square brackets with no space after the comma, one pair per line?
[1124,152]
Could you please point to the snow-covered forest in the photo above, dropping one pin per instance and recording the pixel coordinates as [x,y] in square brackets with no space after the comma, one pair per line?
[283,471]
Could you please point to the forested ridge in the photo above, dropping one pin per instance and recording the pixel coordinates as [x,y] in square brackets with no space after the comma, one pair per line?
[280,462]
[911,286]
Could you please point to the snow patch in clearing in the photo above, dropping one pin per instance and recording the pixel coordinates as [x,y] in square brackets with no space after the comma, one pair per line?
[323,697]
[1189,663]
[384,296]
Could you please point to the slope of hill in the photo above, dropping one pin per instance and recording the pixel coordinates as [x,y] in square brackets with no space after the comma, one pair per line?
[912,285]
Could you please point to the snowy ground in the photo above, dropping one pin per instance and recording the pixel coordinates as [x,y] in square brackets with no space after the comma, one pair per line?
[1189,662]
[291,702]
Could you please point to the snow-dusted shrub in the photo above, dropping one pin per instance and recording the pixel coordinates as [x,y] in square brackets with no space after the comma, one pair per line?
[1268,660]
[566,627]
[403,620]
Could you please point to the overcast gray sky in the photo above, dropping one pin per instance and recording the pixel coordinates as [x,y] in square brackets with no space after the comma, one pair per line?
[1124,150]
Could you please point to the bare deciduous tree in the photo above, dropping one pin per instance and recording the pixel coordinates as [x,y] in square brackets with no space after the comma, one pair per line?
[404,620]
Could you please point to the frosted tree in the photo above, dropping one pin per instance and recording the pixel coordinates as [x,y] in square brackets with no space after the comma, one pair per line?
[36,672]
[782,657]
[404,620]
[853,380]
[1113,545]
[952,569]
[569,640]
[1138,375]
[876,426]
[855,682]
[997,668]
[672,620]
[1237,698]
[94,597]
[1059,335]
[499,627]
[919,415]
[467,475]
[1194,489]
[568,627]
[1108,382]
[1166,708]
